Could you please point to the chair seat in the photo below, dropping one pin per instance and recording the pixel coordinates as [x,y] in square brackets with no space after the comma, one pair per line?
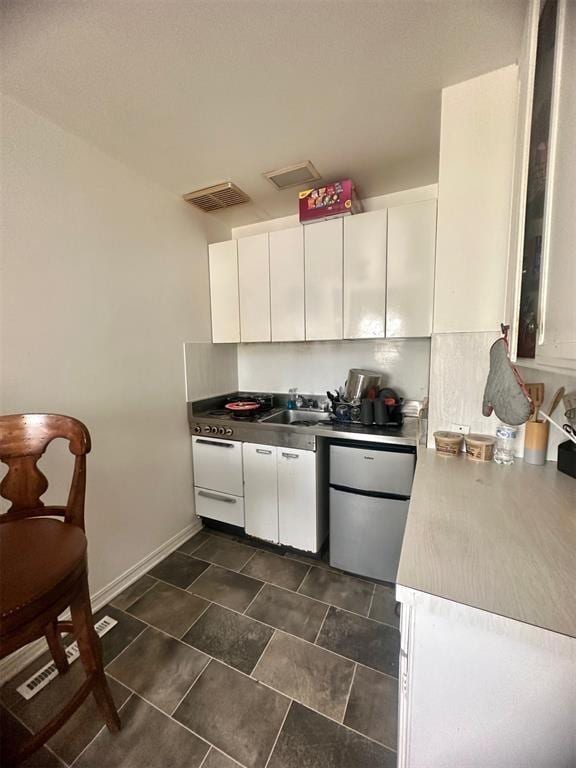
[37,557]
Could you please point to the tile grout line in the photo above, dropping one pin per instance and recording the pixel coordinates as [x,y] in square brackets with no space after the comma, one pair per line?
[253,599]
[195,620]
[320,630]
[295,592]
[45,745]
[192,684]
[173,719]
[79,755]
[264,624]
[146,627]
[303,579]
[288,708]
[349,692]
[136,598]
[262,654]
[371,602]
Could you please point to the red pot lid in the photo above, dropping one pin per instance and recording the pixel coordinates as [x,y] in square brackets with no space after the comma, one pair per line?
[242,405]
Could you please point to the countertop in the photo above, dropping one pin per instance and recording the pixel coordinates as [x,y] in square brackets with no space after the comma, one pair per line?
[498,538]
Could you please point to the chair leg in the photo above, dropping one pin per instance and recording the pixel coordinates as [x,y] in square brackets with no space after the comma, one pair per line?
[54,641]
[91,655]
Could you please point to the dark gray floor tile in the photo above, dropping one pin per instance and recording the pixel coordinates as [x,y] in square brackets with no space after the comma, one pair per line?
[119,636]
[384,606]
[276,570]
[84,724]
[318,562]
[231,589]
[338,589]
[229,554]
[309,740]
[159,668]
[190,546]
[148,739]
[373,706]
[178,569]
[13,735]
[289,611]
[132,593]
[169,608]
[235,713]
[363,640]
[229,636]
[217,760]
[307,673]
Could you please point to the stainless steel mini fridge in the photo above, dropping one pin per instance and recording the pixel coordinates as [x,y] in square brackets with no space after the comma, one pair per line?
[370,489]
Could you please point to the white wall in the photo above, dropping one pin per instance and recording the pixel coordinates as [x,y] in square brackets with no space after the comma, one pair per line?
[211,369]
[104,277]
[316,366]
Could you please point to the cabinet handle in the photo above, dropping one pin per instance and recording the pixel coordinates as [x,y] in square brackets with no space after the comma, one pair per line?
[215,443]
[290,455]
[216,497]
[261,450]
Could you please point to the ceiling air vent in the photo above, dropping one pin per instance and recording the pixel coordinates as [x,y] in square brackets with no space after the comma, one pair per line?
[217,197]
[293,175]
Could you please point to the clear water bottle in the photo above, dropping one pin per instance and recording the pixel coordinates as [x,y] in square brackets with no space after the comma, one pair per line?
[505,440]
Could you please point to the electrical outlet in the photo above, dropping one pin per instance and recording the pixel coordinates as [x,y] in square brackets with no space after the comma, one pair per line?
[463,429]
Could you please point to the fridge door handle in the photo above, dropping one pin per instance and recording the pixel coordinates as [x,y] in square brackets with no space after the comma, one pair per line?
[371,494]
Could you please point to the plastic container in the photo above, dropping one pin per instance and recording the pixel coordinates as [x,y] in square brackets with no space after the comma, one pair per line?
[448,443]
[505,439]
[480,447]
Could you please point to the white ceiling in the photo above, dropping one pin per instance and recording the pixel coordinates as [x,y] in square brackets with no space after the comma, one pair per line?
[194,92]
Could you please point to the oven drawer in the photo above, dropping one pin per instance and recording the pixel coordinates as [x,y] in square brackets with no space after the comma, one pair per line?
[219,506]
[218,465]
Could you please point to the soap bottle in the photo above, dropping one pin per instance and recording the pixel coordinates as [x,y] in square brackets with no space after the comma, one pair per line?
[292,396]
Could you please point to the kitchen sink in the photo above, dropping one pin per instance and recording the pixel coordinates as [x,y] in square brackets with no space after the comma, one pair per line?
[299,417]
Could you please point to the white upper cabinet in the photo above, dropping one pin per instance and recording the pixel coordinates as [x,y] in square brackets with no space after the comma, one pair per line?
[323,279]
[223,262]
[365,275]
[254,285]
[287,284]
[477,138]
[411,251]
[556,341]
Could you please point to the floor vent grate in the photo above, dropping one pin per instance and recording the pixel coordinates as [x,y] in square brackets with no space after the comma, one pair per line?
[48,672]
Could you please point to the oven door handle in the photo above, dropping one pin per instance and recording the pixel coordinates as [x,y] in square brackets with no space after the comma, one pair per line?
[215,443]
[217,497]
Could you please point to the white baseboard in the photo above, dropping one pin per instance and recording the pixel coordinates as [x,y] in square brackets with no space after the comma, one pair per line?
[12,664]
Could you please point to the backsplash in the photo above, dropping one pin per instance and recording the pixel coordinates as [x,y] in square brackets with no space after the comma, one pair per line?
[317,366]
[211,369]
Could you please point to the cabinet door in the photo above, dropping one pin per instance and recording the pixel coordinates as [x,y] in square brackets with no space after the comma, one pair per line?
[287,284]
[365,275]
[223,261]
[217,464]
[557,323]
[261,491]
[323,279]
[254,282]
[297,499]
[411,252]
[474,201]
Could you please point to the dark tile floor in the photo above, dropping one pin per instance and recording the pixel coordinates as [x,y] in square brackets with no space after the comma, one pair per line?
[227,654]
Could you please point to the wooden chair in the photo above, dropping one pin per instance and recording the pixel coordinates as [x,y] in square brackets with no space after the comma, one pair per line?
[43,567]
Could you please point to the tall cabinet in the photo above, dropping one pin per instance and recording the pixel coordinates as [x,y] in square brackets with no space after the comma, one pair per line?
[224,295]
[254,287]
[323,279]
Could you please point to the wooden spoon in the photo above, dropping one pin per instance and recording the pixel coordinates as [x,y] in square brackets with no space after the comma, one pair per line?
[536,392]
[559,394]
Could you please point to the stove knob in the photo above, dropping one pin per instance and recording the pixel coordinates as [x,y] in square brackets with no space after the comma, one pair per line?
[214,430]
[221,431]
[206,429]
[197,428]
[228,431]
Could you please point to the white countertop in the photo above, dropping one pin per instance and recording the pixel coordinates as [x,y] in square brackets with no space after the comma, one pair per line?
[498,538]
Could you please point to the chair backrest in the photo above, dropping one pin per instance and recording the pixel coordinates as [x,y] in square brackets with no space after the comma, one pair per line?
[23,439]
